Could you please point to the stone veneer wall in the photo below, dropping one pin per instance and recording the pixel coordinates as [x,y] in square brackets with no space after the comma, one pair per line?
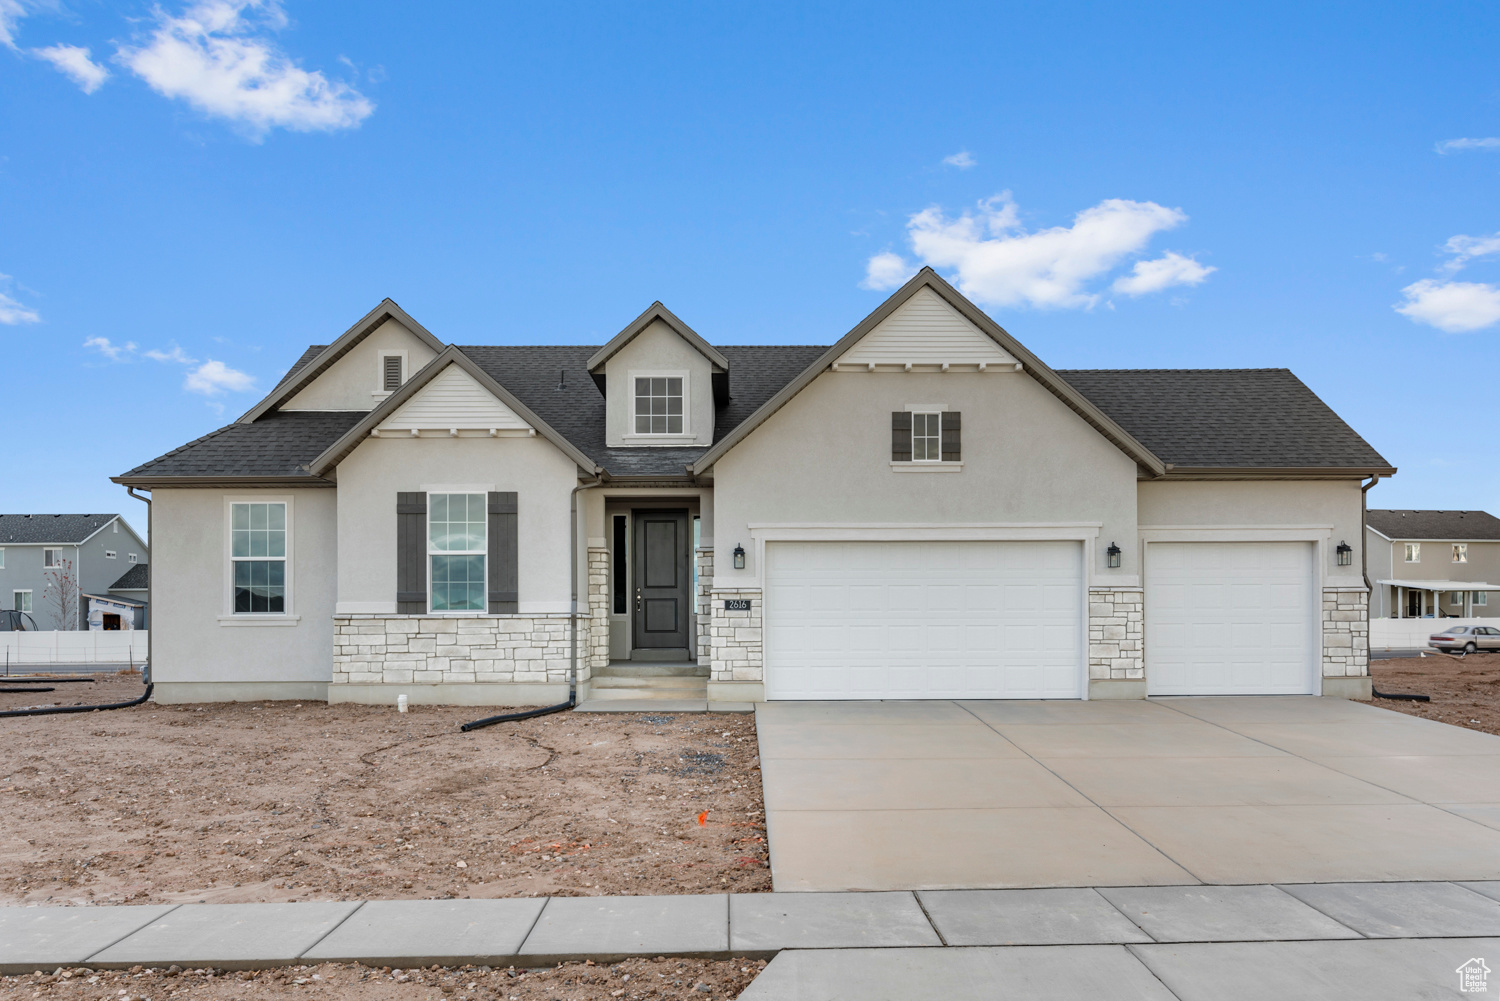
[703,605]
[431,649]
[598,607]
[1346,633]
[1117,631]
[736,637]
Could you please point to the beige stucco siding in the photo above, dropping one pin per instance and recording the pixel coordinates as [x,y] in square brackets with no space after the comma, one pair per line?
[371,476]
[1239,504]
[354,381]
[658,350]
[190,592]
[825,458]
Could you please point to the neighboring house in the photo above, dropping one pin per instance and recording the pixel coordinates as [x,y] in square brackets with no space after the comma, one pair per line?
[133,587]
[922,510]
[1434,564]
[96,549]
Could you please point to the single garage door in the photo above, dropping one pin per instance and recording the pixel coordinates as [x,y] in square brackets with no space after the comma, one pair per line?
[923,620]
[1230,618]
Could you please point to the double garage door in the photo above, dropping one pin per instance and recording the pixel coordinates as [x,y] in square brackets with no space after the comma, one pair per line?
[1005,620]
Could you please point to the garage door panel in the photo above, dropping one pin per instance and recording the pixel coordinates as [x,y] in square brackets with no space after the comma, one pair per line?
[925,620]
[1230,618]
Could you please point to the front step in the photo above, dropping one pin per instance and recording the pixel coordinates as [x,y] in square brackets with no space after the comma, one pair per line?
[676,694]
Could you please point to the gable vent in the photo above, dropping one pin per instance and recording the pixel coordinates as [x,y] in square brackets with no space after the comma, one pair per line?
[392,373]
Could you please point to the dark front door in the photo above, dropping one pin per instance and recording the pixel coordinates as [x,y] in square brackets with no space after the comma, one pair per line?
[663,583]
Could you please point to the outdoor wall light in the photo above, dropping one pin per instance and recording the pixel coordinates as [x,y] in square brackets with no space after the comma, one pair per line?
[1112,556]
[1345,553]
[739,557]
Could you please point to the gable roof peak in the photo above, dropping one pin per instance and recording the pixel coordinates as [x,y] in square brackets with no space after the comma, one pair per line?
[366,325]
[656,311]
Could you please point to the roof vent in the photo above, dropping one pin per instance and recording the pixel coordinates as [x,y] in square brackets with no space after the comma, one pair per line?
[562,378]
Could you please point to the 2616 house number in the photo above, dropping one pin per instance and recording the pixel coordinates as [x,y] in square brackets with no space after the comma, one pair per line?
[737,604]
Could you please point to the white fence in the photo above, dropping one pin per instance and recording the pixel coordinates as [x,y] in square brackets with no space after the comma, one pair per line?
[1411,634]
[92,646]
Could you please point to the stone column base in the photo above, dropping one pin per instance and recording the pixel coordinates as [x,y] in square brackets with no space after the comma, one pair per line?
[1117,688]
[1349,688]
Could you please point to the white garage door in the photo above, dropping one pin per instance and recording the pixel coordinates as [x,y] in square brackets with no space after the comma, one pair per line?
[1230,618]
[923,620]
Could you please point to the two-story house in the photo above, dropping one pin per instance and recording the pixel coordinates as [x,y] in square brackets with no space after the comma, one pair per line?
[51,565]
[1434,564]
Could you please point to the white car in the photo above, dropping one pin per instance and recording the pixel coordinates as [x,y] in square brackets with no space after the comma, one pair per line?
[1466,639]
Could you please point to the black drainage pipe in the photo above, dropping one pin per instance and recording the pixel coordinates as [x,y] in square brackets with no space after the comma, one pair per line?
[509,717]
[57,710]
[13,691]
[1399,698]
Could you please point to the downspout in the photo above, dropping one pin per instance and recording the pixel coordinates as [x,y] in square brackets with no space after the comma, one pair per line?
[572,621]
[150,583]
[1364,569]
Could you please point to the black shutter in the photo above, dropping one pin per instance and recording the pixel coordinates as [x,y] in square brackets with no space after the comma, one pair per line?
[502,559]
[900,436]
[952,436]
[411,553]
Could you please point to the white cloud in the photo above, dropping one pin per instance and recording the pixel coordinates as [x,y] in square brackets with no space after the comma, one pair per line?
[1466,248]
[11,13]
[218,58]
[1454,145]
[1455,307]
[175,355]
[77,63]
[13,312]
[885,271]
[996,261]
[1164,272]
[112,351]
[963,160]
[214,377]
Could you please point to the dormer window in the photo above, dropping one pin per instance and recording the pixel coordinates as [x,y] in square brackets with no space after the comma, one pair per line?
[658,405]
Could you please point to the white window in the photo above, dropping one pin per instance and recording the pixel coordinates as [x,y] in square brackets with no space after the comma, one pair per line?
[109,554]
[114,527]
[1455,597]
[927,437]
[257,551]
[2,558]
[131,557]
[1481,597]
[1460,552]
[22,601]
[52,557]
[456,545]
[1414,552]
[659,405]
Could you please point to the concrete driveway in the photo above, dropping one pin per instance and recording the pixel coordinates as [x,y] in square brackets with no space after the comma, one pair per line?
[936,795]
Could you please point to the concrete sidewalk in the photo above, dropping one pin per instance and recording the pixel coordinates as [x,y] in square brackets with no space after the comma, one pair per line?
[1388,940]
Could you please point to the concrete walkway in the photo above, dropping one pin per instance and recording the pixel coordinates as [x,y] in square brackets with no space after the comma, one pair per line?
[1374,942]
[933,795]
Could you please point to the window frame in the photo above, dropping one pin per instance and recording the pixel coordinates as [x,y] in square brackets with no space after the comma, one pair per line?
[1460,552]
[48,562]
[133,557]
[1413,552]
[926,415]
[288,614]
[1479,598]
[482,552]
[687,405]
[15,600]
[2,557]
[110,554]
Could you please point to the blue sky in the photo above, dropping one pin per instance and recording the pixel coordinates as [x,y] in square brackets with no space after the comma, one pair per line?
[191,193]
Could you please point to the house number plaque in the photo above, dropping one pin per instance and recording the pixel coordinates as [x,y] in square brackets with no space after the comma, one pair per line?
[737,604]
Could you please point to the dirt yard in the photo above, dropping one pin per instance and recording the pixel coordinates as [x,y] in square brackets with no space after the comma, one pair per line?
[255,801]
[1465,691]
[657,979]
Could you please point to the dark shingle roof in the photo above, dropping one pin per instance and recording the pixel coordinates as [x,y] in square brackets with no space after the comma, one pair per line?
[301,363]
[65,528]
[134,579]
[556,385]
[1253,417]
[1435,524]
[279,444]
[1216,418]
